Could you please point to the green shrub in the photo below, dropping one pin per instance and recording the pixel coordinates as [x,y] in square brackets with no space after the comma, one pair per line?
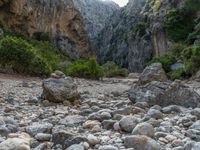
[65,66]
[195,35]
[192,6]
[16,53]
[177,74]
[189,55]
[166,61]
[191,58]
[141,28]
[48,53]
[118,73]
[112,70]
[176,49]
[179,23]
[22,56]
[86,69]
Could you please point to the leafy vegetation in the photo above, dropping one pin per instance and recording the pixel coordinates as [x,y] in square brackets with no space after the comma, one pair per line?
[188,55]
[194,36]
[141,28]
[176,50]
[180,22]
[112,70]
[183,28]
[191,59]
[88,69]
[177,74]
[23,56]
[40,58]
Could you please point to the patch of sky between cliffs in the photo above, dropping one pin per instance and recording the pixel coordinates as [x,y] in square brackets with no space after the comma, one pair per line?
[121,3]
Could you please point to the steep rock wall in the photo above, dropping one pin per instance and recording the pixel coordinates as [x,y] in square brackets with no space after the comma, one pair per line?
[65,20]
[136,33]
[115,39]
[59,18]
[95,14]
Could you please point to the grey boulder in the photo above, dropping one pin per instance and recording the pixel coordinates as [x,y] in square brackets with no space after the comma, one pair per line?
[60,90]
[128,123]
[154,72]
[144,129]
[164,94]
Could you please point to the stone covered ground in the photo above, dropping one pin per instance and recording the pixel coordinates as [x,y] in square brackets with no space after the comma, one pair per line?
[104,120]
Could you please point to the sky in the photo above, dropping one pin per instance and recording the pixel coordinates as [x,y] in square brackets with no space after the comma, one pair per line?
[121,3]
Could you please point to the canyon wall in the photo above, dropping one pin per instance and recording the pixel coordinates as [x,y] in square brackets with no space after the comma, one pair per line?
[71,23]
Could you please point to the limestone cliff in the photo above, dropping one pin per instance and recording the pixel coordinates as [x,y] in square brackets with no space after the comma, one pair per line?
[65,20]
[95,14]
[115,39]
[136,33]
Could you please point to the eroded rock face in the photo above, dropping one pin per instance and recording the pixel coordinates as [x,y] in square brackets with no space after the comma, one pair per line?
[59,18]
[136,33]
[60,90]
[95,14]
[113,42]
[65,20]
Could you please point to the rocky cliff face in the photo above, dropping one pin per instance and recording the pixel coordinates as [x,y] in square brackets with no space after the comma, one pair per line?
[67,21]
[95,14]
[129,36]
[136,33]
[115,42]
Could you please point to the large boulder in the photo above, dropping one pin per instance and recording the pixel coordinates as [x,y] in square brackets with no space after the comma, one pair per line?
[164,94]
[60,90]
[154,88]
[147,93]
[154,72]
